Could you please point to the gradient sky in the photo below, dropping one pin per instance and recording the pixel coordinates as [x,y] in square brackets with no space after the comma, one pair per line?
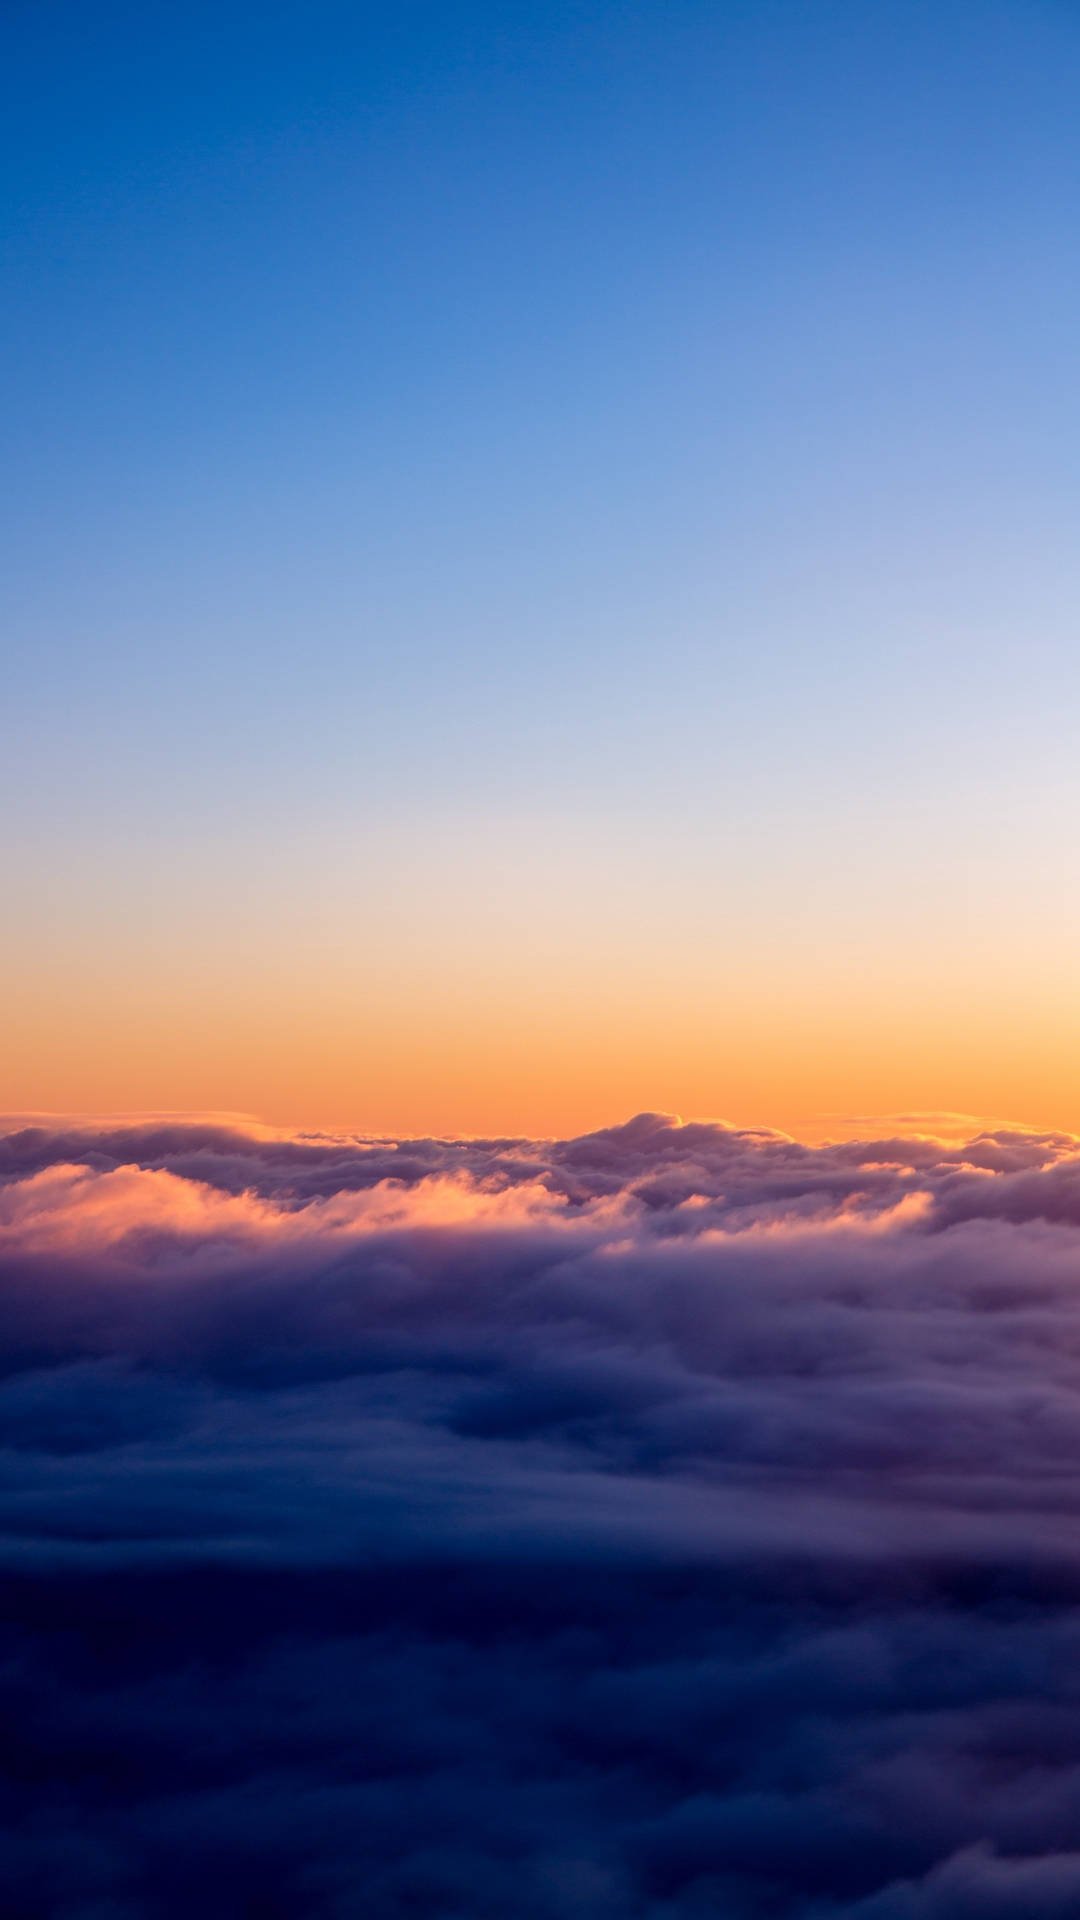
[540,563]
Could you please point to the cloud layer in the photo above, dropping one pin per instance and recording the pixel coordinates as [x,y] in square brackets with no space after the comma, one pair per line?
[671,1522]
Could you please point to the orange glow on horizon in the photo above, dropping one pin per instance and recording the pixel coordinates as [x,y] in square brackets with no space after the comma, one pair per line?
[814,1072]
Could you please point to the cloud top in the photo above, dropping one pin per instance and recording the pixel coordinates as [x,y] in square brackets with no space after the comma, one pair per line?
[675,1520]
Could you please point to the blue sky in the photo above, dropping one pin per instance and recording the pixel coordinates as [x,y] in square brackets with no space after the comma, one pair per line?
[588,422]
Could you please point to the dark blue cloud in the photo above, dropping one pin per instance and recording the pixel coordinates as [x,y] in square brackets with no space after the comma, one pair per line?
[668,1523]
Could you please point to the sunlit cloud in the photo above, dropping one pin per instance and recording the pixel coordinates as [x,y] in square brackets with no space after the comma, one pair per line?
[710,1500]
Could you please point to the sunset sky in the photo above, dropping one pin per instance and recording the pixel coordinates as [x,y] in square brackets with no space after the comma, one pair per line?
[540,570]
[540,963]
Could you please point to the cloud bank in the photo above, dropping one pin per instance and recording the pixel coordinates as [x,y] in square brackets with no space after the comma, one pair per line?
[667,1523]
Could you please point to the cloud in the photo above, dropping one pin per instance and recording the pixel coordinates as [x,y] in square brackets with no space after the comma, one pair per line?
[675,1521]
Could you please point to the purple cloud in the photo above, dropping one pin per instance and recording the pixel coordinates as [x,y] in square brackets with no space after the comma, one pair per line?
[668,1522]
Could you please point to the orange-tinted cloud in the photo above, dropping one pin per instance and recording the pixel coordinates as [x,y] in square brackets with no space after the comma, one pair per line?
[692,1505]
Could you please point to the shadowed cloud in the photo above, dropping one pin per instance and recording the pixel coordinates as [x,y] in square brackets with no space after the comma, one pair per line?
[673,1521]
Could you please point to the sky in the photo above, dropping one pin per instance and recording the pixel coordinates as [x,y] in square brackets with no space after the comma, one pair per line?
[539,585]
[539,571]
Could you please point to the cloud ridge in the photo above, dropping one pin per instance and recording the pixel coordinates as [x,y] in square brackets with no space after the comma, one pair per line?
[675,1520]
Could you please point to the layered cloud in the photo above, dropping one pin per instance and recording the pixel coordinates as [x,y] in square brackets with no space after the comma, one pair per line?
[669,1522]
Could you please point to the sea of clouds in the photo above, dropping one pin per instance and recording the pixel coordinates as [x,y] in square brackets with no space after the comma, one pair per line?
[672,1522]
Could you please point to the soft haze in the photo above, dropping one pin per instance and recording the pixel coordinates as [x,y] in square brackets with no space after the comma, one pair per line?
[540,567]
